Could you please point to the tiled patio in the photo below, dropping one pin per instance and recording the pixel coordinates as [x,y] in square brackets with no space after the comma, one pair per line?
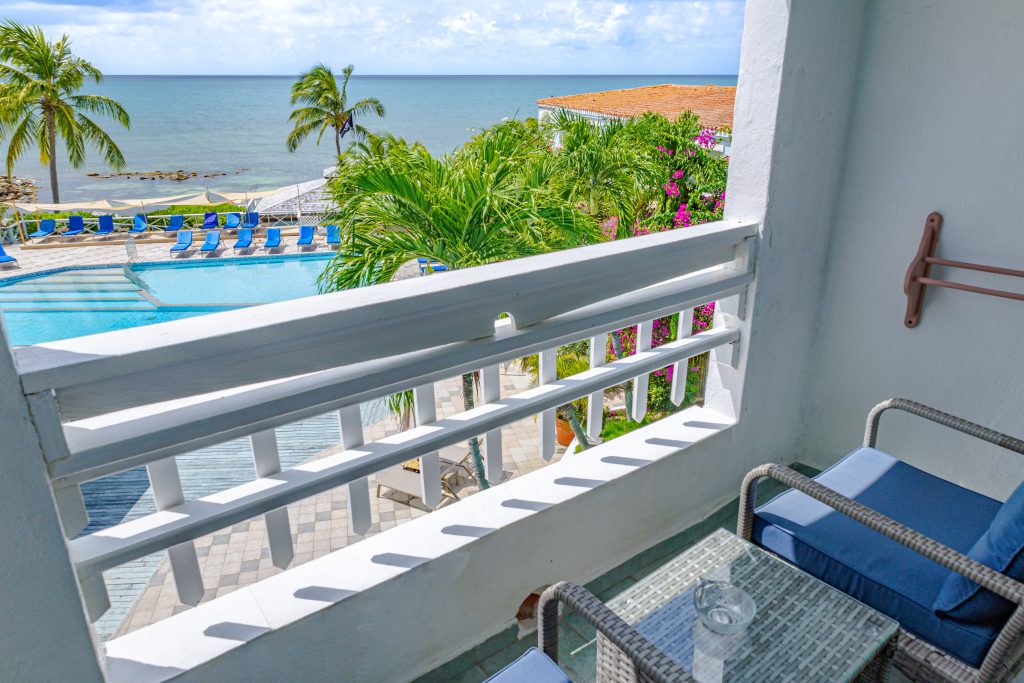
[240,556]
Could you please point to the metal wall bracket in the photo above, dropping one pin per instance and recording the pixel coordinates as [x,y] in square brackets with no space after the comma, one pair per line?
[919,273]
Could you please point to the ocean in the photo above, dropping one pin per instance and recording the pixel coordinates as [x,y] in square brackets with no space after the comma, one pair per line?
[236,126]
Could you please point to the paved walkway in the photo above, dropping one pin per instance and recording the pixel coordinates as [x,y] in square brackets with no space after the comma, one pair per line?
[239,556]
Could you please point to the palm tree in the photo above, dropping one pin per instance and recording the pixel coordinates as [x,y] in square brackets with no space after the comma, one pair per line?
[324,106]
[488,203]
[39,100]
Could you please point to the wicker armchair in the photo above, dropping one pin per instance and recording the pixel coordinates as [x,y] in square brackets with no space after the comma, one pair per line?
[650,662]
[913,656]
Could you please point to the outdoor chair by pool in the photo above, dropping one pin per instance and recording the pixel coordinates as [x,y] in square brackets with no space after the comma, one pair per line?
[943,561]
[6,259]
[176,223]
[306,235]
[273,239]
[184,243]
[244,240]
[76,226]
[212,243]
[210,221]
[435,266]
[47,226]
[106,226]
[252,220]
[232,221]
[333,236]
[139,223]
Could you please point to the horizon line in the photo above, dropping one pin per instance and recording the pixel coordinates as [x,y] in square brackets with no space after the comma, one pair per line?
[453,75]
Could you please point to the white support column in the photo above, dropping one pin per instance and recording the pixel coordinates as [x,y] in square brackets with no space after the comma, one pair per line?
[736,305]
[681,370]
[350,420]
[267,462]
[430,463]
[595,404]
[490,380]
[163,475]
[644,332]
[548,372]
[45,634]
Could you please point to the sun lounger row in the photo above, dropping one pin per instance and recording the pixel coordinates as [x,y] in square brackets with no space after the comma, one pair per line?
[140,224]
[244,241]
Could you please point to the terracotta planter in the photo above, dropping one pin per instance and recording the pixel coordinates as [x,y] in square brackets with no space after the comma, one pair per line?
[563,432]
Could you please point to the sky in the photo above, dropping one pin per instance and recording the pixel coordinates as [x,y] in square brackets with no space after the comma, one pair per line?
[396,36]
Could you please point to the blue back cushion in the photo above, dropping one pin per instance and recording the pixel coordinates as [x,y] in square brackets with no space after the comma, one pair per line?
[1002,548]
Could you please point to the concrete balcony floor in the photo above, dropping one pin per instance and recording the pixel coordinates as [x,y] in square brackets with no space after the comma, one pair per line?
[576,647]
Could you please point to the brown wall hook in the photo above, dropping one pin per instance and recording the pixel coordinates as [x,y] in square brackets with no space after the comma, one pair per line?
[918,274]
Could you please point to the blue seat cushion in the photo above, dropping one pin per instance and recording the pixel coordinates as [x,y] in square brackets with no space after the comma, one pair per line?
[533,666]
[876,570]
[1000,547]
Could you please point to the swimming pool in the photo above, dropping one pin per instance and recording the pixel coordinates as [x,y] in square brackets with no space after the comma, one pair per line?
[80,301]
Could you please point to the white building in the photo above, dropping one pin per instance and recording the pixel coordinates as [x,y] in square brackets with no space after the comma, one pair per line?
[854,120]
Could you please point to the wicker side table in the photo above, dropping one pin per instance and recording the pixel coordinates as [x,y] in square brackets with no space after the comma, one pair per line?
[804,629]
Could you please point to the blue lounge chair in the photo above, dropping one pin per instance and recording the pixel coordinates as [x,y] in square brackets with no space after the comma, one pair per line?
[139,223]
[176,223]
[333,236]
[273,239]
[212,243]
[106,226]
[233,221]
[244,239]
[76,226]
[47,226]
[5,259]
[306,234]
[210,221]
[252,220]
[184,242]
[435,266]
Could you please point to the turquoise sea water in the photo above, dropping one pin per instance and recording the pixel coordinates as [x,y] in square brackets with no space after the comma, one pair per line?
[237,125]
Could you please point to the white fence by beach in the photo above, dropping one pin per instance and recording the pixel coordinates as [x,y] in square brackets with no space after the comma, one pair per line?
[118,400]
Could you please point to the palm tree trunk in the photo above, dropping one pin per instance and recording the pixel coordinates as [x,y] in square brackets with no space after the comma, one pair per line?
[577,429]
[51,138]
[474,442]
[337,139]
[628,386]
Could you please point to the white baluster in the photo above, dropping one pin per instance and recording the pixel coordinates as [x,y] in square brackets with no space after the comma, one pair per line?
[94,593]
[267,462]
[350,420]
[644,333]
[595,405]
[490,379]
[163,475]
[548,372]
[71,508]
[681,370]
[430,463]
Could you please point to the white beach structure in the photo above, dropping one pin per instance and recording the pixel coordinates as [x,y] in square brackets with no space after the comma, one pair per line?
[845,128]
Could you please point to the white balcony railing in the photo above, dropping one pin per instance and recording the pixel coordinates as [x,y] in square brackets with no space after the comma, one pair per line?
[110,402]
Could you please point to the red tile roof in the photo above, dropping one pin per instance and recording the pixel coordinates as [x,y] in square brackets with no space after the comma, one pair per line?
[712,103]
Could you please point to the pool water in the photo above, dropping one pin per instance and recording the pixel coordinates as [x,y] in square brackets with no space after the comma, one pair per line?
[79,302]
[234,282]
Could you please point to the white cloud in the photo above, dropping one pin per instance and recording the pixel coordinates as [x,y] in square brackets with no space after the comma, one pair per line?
[397,36]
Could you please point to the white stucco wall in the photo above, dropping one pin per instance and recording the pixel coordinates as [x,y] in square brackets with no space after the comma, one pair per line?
[936,78]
